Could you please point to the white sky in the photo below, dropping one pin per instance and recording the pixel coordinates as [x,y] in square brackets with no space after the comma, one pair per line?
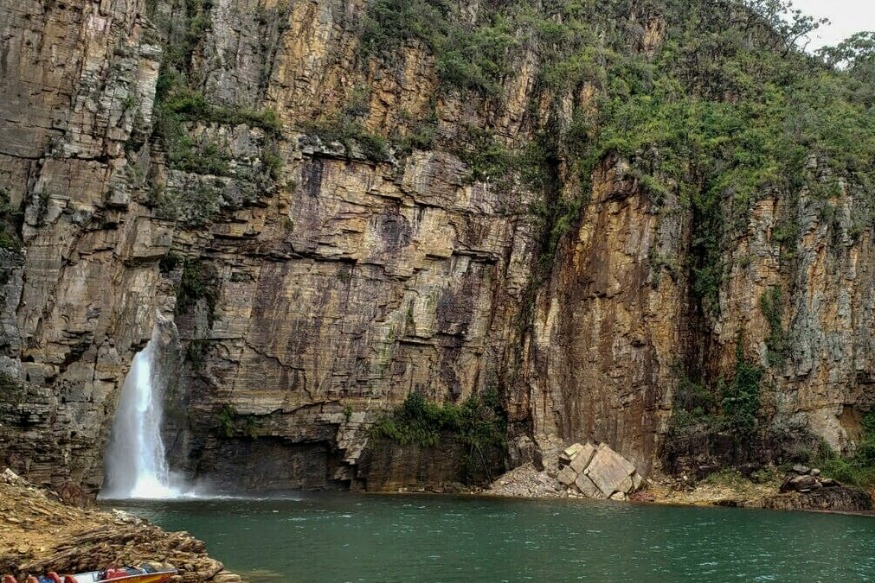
[847,17]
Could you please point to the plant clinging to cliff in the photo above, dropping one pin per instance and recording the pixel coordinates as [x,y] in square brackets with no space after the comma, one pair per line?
[350,133]
[478,422]
[693,403]
[770,305]
[226,416]
[859,468]
[10,219]
[195,284]
[741,397]
[191,105]
[468,57]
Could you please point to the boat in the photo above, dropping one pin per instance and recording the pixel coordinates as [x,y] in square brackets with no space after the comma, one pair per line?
[142,574]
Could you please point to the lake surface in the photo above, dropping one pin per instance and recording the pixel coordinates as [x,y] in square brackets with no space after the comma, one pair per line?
[387,539]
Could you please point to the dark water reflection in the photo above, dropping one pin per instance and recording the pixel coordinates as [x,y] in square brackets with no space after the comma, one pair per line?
[350,538]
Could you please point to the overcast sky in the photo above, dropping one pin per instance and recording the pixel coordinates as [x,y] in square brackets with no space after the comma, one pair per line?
[847,17]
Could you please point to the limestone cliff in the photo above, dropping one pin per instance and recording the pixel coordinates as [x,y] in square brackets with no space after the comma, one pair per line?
[331,228]
[337,284]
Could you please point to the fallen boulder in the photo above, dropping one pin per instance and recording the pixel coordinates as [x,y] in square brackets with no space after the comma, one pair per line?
[803,479]
[583,458]
[598,472]
[805,488]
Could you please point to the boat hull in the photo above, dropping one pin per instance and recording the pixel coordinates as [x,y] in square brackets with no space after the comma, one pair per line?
[101,577]
[144,578]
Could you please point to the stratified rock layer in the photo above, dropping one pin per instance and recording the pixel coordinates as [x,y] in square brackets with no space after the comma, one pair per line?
[77,78]
[314,283]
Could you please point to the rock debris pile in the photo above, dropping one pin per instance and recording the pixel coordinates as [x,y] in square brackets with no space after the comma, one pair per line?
[576,471]
[804,479]
[527,481]
[598,472]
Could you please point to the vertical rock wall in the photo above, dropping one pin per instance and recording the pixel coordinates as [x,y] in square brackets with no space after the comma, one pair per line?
[822,378]
[608,329]
[78,80]
[315,284]
[326,286]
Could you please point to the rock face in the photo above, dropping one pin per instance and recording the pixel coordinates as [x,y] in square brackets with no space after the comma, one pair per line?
[606,331]
[80,298]
[387,466]
[315,277]
[336,286]
[836,499]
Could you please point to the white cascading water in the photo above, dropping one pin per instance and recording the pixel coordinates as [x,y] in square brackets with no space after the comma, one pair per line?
[135,465]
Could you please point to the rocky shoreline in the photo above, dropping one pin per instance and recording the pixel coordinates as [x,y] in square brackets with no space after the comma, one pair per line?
[529,482]
[38,532]
[558,471]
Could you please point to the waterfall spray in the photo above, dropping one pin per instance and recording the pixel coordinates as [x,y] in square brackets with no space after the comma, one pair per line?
[135,466]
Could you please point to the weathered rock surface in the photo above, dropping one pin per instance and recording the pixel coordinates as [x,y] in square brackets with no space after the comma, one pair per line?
[338,285]
[330,285]
[387,466]
[805,480]
[607,327]
[598,472]
[834,499]
[38,533]
[578,470]
[749,494]
[699,450]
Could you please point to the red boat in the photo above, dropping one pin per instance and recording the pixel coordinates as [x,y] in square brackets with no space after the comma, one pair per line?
[141,574]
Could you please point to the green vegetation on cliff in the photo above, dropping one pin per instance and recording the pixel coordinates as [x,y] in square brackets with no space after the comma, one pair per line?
[197,283]
[10,220]
[478,422]
[859,469]
[711,106]
[741,399]
[468,57]
[770,305]
[349,132]
[709,101]
[187,114]
[728,405]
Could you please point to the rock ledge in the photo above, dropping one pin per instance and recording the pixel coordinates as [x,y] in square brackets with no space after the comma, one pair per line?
[39,533]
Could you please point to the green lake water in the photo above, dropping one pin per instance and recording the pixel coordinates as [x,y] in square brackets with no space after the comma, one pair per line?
[386,539]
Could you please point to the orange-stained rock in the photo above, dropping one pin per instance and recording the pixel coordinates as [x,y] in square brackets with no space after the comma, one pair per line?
[334,281]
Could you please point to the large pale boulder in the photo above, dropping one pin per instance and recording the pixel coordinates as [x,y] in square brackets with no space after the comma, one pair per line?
[583,458]
[587,488]
[610,471]
[567,476]
[599,472]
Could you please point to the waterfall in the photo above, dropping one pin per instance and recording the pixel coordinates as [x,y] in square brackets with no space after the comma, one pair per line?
[135,466]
